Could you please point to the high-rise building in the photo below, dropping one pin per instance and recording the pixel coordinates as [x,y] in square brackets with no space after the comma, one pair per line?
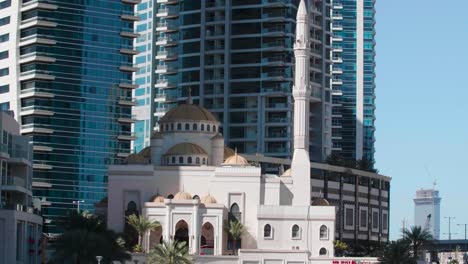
[234,58]
[353,78]
[68,78]
[427,211]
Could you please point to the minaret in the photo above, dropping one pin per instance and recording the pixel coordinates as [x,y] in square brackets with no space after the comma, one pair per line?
[300,166]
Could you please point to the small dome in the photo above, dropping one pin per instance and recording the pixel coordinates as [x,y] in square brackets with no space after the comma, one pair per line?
[183,196]
[136,159]
[188,112]
[320,202]
[228,152]
[146,152]
[186,149]
[237,160]
[158,199]
[156,135]
[286,173]
[208,200]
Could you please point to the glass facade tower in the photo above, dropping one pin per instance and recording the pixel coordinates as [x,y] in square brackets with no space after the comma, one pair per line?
[353,78]
[236,59]
[72,93]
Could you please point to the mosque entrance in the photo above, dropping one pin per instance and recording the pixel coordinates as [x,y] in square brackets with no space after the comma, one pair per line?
[207,239]
[182,232]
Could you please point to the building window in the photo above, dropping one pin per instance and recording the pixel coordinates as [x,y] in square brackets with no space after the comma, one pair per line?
[4,55]
[295,232]
[204,161]
[195,128]
[187,126]
[170,196]
[234,213]
[197,160]
[172,126]
[349,217]
[179,126]
[181,160]
[4,72]
[4,38]
[4,21]
[384,221]
[5,4]
[363,218]
[323,232]
[208,128]
[375,219]
[5,106]
[323,252]
[4,89]
[189,160]
[202,127]
[173,160]
[267,232]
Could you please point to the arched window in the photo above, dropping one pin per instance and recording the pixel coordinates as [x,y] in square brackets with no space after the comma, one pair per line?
[202,127]
[170,196]
[323,232]
[214,128]
[323,252]
[204,161]
[131,206]
[267,231]
[179,126]
[172,126]
[235,213]
[197,160]
[167,127]
[195,127]
[295,232]
[189,160]
[196,197]
[181,159]
[187,126]
[207,127]
[173,160]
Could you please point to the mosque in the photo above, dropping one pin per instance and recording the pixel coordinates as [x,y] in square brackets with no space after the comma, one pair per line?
[192,184]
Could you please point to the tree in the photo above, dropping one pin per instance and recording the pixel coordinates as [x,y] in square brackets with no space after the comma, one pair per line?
[397,252]
[142,225]
[417,237]
[86,237]
[340,247]
[236,229]
[170,253]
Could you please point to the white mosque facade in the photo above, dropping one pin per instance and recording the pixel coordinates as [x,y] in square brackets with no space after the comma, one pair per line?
[192,184]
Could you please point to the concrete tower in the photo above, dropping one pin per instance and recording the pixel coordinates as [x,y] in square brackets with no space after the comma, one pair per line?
[427,211]
[300,166]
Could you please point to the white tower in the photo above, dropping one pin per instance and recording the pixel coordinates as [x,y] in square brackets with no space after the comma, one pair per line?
[300,166]
[427,211]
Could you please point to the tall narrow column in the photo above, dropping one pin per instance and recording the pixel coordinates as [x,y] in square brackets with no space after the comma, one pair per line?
[300,166]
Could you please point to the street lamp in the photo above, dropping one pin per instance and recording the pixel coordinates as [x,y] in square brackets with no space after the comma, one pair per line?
[99,258]
[78,203]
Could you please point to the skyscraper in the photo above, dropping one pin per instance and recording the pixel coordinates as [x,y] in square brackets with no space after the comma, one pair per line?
[234,58]
[69,81]
[427,211]
[353,78]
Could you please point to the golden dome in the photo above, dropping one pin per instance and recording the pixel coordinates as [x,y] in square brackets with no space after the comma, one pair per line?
[237,160]
[145,153]
[208,200]
[286,173]
[320,202]
[183,196]
[136,159]
[188,112]
[228,152]
[157,199]
[186,149]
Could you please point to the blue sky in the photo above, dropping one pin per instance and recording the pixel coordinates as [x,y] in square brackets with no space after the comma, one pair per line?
[422,104]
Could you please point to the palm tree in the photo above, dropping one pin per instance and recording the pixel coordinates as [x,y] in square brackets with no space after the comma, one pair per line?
[142,225]
[170,253]
[236,229]
[340,247]
[417,237]
[397,252]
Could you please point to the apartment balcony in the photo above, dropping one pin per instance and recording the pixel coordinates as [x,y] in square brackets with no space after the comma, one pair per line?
[37,5]
[127,101]
[277,106]
[165,84]
[337,27]
[337,81]
[273,76]
[167,13]
[166,27]
[36,39]
[37,148]
[161,111]
[41,166]
[129,52]
[15,184]
[38,184]
[128,34]
[36,57]
[337,6]
[131,2]
[336,70]
[35,110]
[127,137]
[36,93]
[164,69]
[276,90]
[126,68]
[337,49]
[165,98]
[337,38]
[128,120]
[337,60]
[278,31]
[123,155]
[36,129]
[37,22]
[128,86]
[337,16]
[130,18]
[277,45]
[167,2]
[337,92]
[273,61]
[166,56]
[166,41]
[274,16]
[36,74]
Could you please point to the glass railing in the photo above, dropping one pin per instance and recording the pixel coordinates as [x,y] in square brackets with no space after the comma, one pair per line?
[277,105]
[3,148]
[15,181]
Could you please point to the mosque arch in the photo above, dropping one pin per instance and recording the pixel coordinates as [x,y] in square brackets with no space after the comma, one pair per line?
[207,238]
[182,232]
[323,252]
[235,213]
[323,232]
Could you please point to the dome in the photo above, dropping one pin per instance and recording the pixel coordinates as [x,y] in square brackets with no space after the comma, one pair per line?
[183,196]
[228,152]
[237,160]
[189,112]
[208,200]
[186,149]
[320,202]
[146,152]
[136,159]
[158,199]
[156,135]
[286,173]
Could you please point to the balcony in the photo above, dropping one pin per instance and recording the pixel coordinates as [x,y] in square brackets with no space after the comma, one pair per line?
[126,68]
[127,34]
[127,137]
[16,184]
[167,2]
[165,84]
[130,18]
[337,27]
[37,22]
[36,39]
[35,110]
[166,56]
[129,52]
[167,13]
[274,3]
[337,6]
[36,57]
[37,5]
[128,86]
[336,81]
[127,101]
[37,93]
[164,69]
[41,166]
[337,70]
[276,45]
[131,2]
[273,61]
[166,27]
[36,74]
[281,106]
[337,16]
[166,41]
[273,76]
[129,120]
[36,128]
[165,98]
[337,38]
[274,31]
